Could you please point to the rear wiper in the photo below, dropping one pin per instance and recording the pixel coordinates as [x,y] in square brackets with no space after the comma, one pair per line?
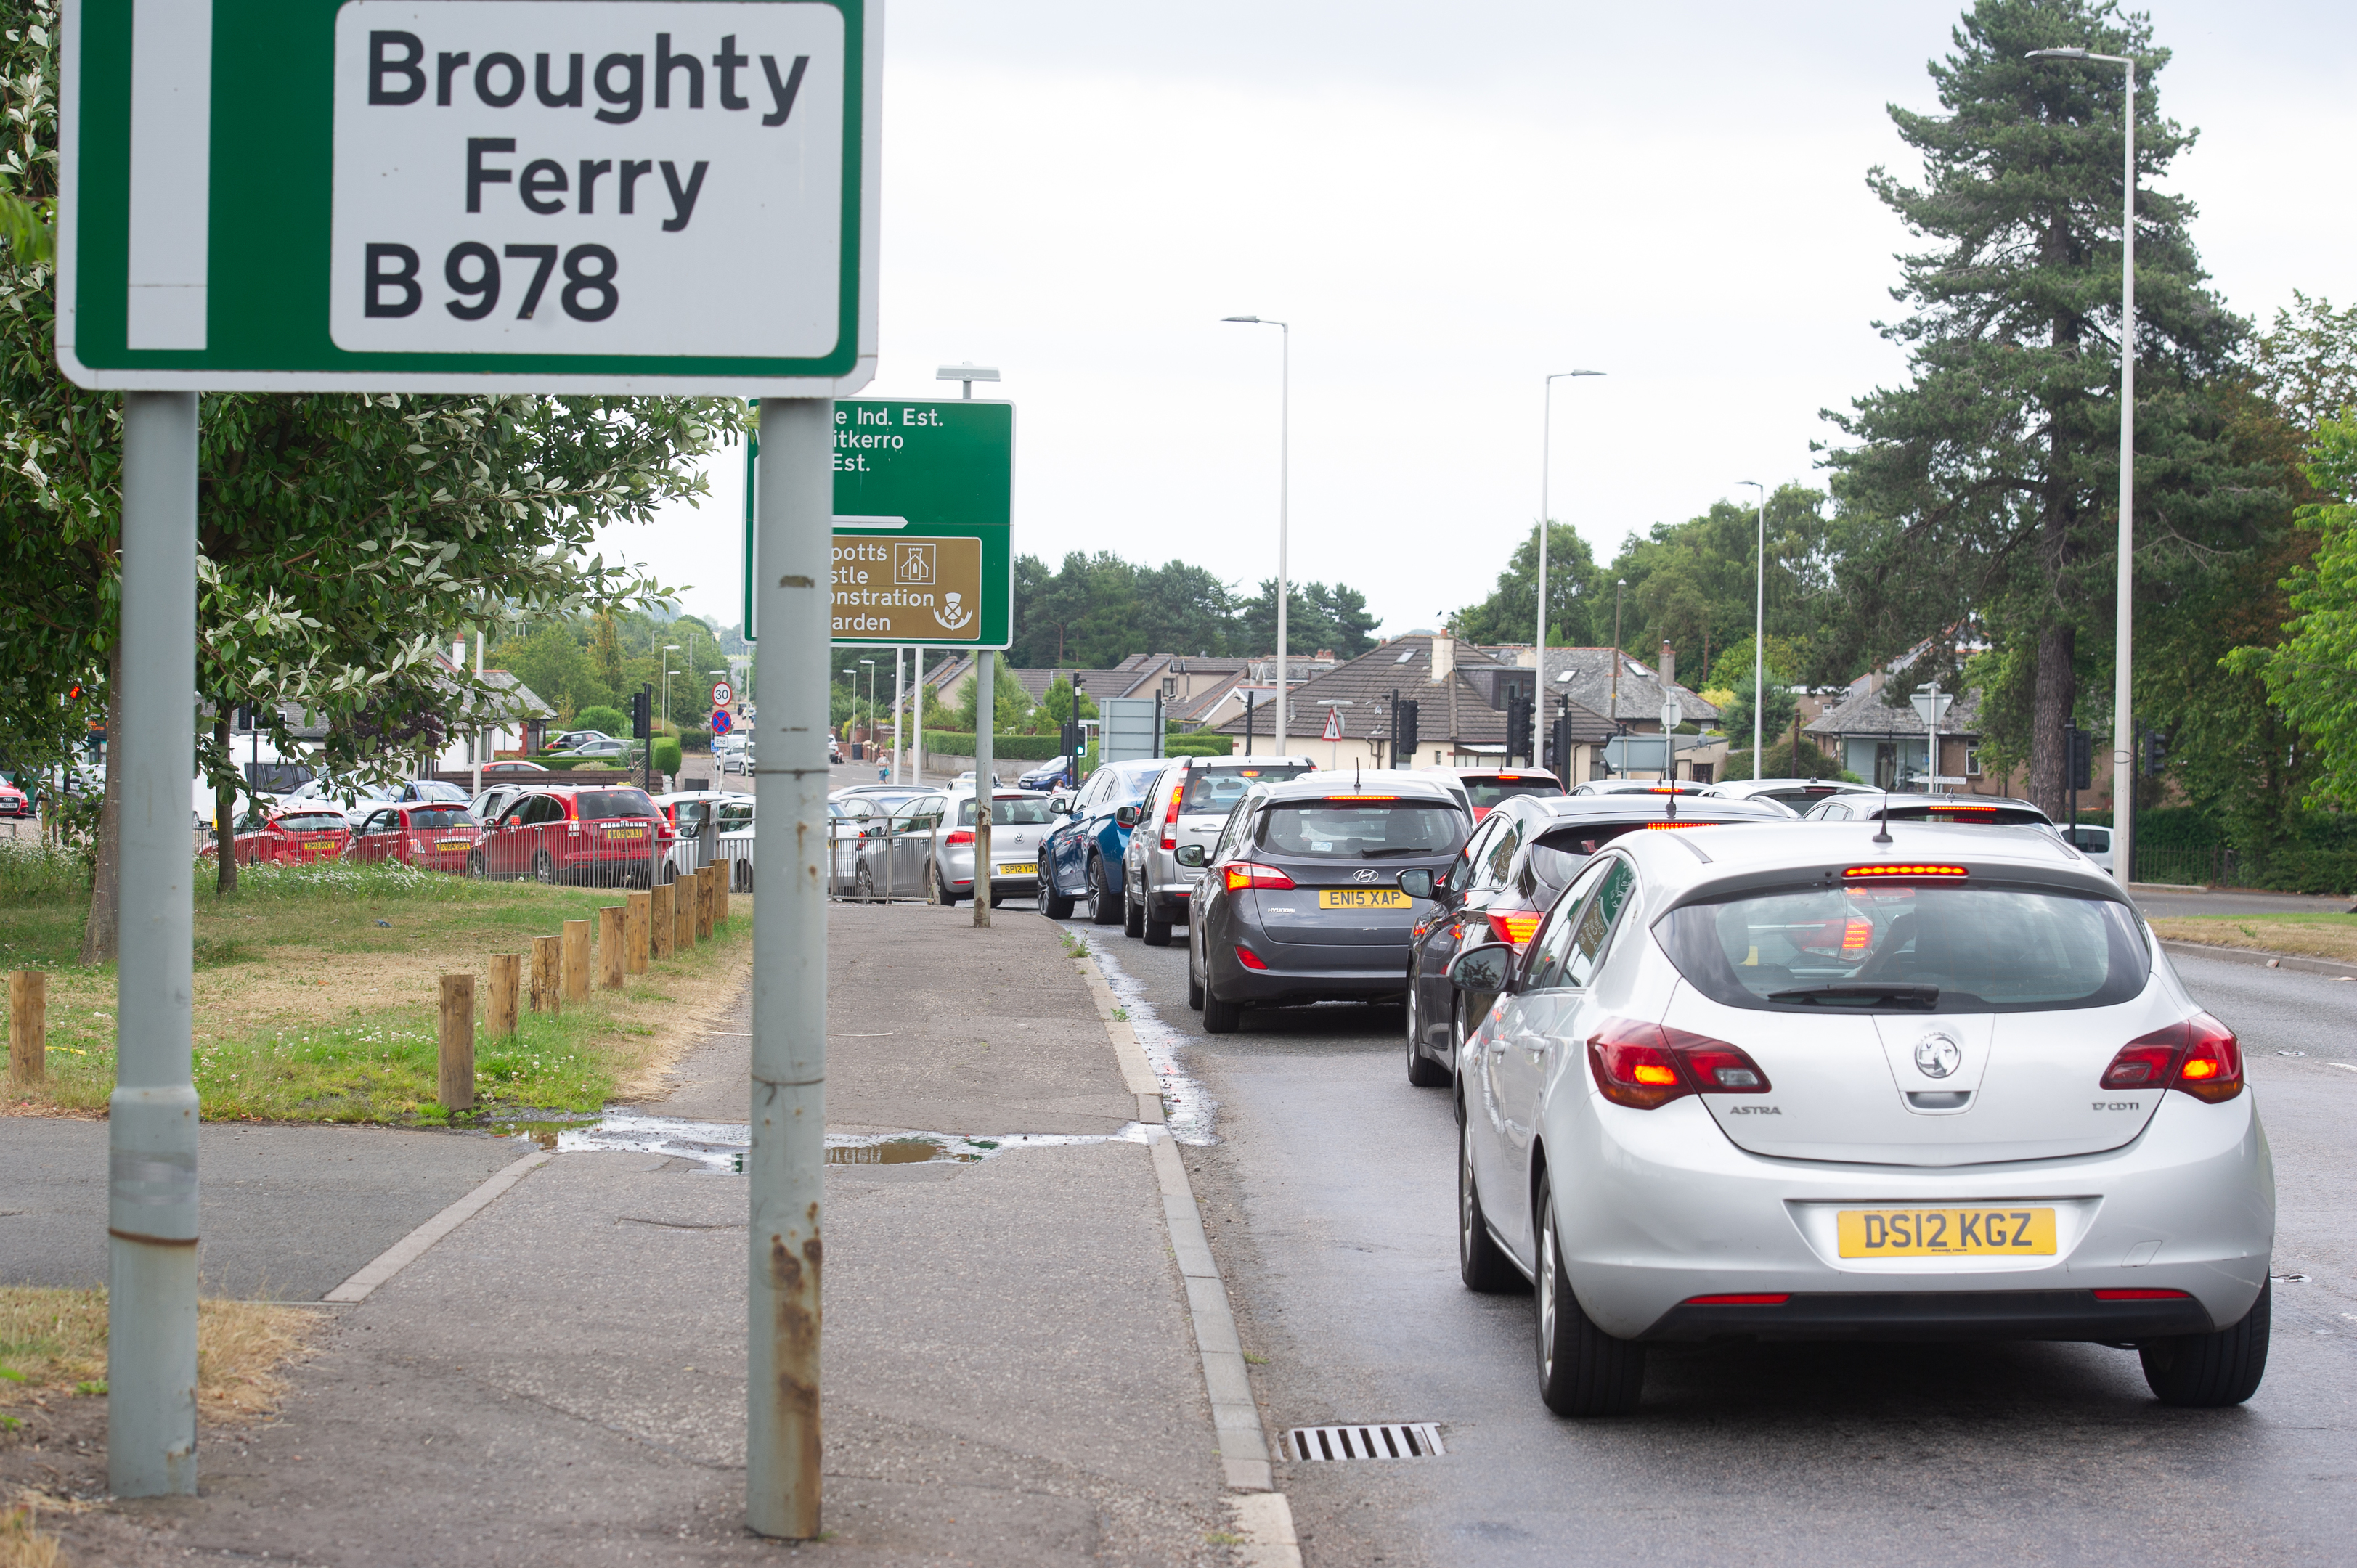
[1891,993]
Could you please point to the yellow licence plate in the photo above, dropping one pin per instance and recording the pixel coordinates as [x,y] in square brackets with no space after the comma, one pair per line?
[1030,870]
[1946,1232]
[626,832]
[453,843]
[1363,899]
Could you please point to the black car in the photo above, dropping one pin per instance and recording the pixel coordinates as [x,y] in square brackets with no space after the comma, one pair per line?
[1498,889]
[1300,901]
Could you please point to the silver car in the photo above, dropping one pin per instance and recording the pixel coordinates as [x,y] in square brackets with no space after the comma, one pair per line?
[891,857]
[1019,818]
[1186,804]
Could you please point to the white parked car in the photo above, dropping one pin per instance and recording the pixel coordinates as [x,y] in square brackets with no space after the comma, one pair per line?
[2091,840]
[1791,1082]
[1796,795]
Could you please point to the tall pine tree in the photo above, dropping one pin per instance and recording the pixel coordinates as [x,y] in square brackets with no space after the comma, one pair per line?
[1988,486]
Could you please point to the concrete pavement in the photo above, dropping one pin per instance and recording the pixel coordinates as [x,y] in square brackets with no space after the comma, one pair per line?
[1010,1371]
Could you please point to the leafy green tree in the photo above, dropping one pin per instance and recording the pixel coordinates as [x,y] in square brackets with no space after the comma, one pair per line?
[1982,488]
[1691,585]
[1510,613]
[2312,678]
[1056,704]
[1317,617]
[597,716]
[1009,712]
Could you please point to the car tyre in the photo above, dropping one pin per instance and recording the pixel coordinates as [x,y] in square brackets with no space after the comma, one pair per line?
[1220,1018]
[2204,1371]
[1133,916]
[1104,901]
[1156,932]
[1481,1263]
[544,869]
[1583,1371]
[863,885]
[1052,904]
[1423,1072]
[1195,993]
[475,867]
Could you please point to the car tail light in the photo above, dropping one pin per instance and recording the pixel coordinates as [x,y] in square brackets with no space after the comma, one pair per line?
[1902,873]
[1645,1066]
[1857,936]
[1758,1299]
[1243,873]
[2200,1057]
[2141,1296]
[1170,817]
[1515,926]
[1249,959]
[963,835]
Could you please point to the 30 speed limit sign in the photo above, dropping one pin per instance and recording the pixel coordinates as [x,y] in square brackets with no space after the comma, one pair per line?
[722,696]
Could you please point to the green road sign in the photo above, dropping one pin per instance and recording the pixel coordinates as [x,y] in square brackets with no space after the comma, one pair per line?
[924,504]
[543,196]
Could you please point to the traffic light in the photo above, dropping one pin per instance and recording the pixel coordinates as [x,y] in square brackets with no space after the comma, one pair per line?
[1558,758]
[2156,753]
[642,718]
[1403,734]
[2082,758]
[1518,730]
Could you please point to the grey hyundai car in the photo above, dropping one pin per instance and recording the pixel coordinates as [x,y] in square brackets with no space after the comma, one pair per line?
[1300,898]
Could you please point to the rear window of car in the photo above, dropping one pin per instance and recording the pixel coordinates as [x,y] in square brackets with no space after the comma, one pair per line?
[596,803]
[1801,799]
[1216,790]
[1925,948]
[1360,830]
[1026,813]
[312,821]
[1558,856]
[442,817]
[1488,791]
[1976,816]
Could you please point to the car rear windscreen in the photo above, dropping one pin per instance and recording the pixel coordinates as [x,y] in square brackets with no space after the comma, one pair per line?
[1927,947]
[1216,790]
[1976,816]
[1360,829]
[1798,799]
[596,803]
[1558,856]
[312,821]
[1027,814]
[442,817]
[1489,791]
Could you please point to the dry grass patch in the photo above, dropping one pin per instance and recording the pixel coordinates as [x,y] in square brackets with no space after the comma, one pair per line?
[2313,935]
[53,1345]
[22,1543]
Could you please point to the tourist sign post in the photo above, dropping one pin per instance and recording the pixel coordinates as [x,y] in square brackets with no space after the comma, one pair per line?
[590,197]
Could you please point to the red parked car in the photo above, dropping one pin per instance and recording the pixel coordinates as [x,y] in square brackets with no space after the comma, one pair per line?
[290,835]
[433,835]
[14,803]
[603,837]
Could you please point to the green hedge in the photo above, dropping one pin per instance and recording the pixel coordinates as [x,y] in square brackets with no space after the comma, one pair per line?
[1003,748]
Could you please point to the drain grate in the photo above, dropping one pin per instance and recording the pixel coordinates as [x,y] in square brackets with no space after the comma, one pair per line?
[1390,1440]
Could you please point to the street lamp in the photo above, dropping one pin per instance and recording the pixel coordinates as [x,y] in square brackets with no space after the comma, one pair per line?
[1760,636]
[966,374]
[668,649]
[1546,451]
[1284,475]
[2124,639]
[871,705]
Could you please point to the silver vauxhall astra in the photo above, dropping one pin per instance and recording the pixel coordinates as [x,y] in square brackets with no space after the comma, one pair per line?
[1807,1080]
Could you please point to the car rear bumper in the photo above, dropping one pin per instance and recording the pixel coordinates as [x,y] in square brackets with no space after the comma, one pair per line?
[1668,1209]
[1288,981]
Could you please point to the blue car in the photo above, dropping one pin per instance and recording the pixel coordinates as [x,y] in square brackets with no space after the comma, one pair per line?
[1047,776]
[1082,856]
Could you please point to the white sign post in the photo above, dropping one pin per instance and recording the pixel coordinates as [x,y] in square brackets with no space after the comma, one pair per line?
[540,197]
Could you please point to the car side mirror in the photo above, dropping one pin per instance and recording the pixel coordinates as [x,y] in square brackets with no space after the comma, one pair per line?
[1059,805]
[1488,968]
[1190,855]
[1126,817]
[1416,884]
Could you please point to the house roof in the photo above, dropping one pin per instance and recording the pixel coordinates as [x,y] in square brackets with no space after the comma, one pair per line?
[1866,713]
[1454,710]
[1641,686]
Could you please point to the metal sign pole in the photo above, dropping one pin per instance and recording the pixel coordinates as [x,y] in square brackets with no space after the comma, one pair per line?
[985,720]
[151,1304]
[787,1164]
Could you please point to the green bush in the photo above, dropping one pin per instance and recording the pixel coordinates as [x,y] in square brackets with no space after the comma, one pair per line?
[1210,744]
[1811,763]
[666,755]
[613,720]
[1003,748]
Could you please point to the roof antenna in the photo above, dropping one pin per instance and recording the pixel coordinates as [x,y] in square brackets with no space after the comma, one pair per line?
[1882,827]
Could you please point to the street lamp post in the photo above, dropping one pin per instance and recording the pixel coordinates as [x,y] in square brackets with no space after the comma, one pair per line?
[1759,637]
[1547,453]
[669,649]
[1284,487]
[2124,639]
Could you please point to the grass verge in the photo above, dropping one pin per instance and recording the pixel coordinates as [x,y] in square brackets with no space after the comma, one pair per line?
[316,988]
[53,1345]
[2319,935]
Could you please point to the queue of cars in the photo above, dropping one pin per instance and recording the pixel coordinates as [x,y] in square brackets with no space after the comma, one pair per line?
[1802,1061]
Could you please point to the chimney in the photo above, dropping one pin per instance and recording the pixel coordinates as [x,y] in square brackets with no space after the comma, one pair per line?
[1669,665]
[1444,656]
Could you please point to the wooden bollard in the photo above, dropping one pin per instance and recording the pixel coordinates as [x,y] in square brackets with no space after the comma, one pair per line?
[609,947]
[636,913]
[708,900]
[660,928]
[720,891]
[455,1080]
[29,1025]
[576,961]
[682,909]
[547,976]
[507,984]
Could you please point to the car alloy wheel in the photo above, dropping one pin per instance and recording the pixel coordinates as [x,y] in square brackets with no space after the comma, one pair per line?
[1133,916]
[1052,904]
[1583,1371]
[862,884]
[544,869]
[1423,1072]
[475,867]
[1481,1263]
[1104,903]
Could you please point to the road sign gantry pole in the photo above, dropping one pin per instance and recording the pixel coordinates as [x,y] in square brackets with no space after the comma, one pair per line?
[787,1164]
[151,1226]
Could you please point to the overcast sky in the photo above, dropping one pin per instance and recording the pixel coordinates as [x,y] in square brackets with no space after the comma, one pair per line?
[1447,203]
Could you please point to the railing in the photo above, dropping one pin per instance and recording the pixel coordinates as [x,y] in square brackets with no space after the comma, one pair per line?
[2186,867]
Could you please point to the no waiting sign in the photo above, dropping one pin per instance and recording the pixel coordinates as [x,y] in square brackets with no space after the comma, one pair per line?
[548,195]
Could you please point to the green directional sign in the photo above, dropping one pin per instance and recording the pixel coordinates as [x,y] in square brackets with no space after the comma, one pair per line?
[924,504]
[543,196]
